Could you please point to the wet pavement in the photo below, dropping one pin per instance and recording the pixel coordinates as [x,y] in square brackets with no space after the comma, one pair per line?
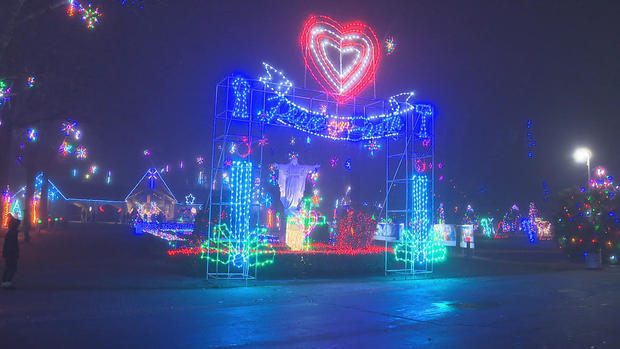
[73,295]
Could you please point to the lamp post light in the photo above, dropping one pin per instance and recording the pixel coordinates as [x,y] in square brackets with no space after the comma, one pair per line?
[582,155]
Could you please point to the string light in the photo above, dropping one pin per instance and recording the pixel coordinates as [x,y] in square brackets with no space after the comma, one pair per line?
[531,143]
[240,201]
[283,110]
[130,3]
[343,83]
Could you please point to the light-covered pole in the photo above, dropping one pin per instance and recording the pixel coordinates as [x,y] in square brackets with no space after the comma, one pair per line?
[582,155]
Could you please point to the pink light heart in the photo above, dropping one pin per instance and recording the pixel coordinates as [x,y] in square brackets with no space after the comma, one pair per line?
[355,65]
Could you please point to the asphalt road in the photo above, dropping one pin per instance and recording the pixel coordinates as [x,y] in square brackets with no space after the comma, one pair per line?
[101,287]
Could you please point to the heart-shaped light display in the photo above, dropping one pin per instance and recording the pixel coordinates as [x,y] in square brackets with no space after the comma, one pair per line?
[343,59]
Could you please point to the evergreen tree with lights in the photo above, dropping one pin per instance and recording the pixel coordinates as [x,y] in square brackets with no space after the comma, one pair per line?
[587,219]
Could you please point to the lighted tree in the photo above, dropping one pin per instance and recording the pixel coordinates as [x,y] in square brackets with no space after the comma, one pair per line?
[470,217]
[589,214]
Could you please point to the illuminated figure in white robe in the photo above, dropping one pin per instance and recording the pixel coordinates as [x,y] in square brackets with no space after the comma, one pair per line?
[292,183]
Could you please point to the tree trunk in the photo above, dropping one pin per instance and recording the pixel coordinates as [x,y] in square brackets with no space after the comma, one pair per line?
[6,136]
[44,202]
[28,214]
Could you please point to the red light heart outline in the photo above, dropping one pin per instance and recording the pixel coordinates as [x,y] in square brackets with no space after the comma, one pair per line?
[322,31]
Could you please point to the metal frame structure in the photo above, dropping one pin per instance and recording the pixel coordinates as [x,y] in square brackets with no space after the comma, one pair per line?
[402,152]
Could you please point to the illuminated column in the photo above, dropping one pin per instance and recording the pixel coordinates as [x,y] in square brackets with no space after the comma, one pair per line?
[421,215]
[240,200]
[241,89]
[6,207]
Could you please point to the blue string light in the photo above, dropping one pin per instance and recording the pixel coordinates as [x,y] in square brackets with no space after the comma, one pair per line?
[241,89]
[240,200]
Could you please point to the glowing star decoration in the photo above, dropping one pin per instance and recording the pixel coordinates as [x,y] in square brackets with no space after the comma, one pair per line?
[390,45]
[348,164]
[333,162]
[31,81]
[91,16]
[108,177]
[343,59]
[93,169]
[372,146]
[68,127]
[146,153]
[200,160]
[189,199]
[32,134]
[273,174]
[81,153]
[292,141]
[531,142]
[65,148]
[293,155]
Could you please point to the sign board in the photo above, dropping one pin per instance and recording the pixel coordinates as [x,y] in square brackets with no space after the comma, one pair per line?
[447,233]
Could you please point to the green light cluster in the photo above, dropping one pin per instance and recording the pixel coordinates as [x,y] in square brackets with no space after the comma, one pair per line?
[222,247]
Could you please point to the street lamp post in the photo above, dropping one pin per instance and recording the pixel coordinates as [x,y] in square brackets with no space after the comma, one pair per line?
[582,155]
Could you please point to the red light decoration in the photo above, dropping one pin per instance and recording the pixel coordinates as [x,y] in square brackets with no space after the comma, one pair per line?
[355,230]
[347,73]
[315,249]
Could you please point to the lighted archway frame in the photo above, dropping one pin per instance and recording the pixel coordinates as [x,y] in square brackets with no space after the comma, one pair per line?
[342,82]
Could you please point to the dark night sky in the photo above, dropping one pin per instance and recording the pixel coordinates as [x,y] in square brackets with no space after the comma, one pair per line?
[488,66]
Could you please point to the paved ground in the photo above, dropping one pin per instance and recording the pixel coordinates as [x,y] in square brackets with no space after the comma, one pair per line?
[101,287]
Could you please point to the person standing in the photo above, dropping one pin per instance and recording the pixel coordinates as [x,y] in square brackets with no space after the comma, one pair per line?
[10,253]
